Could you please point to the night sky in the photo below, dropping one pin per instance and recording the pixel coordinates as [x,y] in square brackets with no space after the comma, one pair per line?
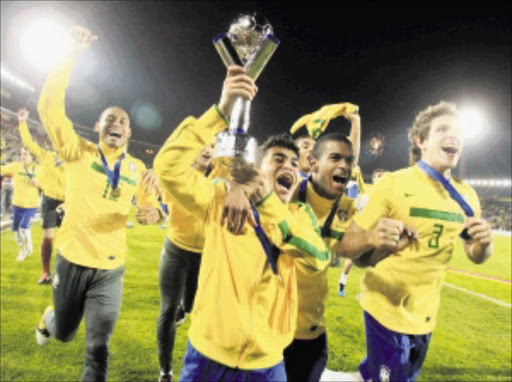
[393,60]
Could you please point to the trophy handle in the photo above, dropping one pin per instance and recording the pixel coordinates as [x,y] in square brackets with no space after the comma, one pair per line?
[262,56]
[226,50]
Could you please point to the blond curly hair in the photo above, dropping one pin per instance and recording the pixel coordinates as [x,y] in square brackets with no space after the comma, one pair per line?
[421,126]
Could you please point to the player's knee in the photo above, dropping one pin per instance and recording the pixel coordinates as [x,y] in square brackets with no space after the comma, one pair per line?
[49,233]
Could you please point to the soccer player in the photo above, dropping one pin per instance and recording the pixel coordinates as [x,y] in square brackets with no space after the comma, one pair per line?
[25,200]
[331,165]
[179,267]
[244,312]
[361,200]
[400,293]
[306,142]
[101,180]
[51,181]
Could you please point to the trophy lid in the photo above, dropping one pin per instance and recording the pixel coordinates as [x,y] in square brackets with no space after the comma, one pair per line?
[247,33]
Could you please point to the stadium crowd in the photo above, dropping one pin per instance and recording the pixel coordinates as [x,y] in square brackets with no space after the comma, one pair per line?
[291,212]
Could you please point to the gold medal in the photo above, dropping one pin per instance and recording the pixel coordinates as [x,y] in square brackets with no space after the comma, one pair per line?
[116,193]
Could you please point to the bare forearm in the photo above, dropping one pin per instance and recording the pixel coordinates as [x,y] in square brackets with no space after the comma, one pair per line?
[354,245]
[355,138]
[479,253]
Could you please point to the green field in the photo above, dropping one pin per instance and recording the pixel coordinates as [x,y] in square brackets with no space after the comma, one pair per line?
[472,341]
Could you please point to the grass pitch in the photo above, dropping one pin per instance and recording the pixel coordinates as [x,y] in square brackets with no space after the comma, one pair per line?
[472,341]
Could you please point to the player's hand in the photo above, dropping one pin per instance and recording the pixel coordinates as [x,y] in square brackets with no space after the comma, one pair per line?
[147,215]
[79,39]
[408,236]
[237,84]
[237,210]
[479,230]
[22,115]
[255,185]
[386,234]
[317,122]
[149,182]
[370,259]
[353,117]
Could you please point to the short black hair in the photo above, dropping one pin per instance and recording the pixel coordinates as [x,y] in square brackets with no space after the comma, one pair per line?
[282,140]
[299,134]
[320,143]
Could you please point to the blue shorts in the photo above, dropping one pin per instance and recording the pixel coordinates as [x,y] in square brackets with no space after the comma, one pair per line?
[392,356]
[198,367]
[22,217]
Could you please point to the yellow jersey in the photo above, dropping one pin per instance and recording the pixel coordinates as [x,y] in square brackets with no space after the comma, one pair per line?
[25,194]
[93,232]
[313,287]
[51,177]
[244,315]
[183,229]
[403,291]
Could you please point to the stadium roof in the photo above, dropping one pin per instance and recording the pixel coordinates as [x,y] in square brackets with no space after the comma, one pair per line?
[157,58]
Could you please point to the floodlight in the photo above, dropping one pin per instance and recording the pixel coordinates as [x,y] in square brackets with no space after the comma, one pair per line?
[471,121]
[42,43]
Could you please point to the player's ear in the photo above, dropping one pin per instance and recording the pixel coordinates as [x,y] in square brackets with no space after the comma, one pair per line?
[97,127]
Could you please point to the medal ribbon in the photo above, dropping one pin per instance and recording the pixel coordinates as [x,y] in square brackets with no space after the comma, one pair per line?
[454,194]
[113,176]
[326,228]
[271,251]
[30,175]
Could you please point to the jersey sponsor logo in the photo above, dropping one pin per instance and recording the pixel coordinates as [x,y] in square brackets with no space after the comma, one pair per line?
[384,373]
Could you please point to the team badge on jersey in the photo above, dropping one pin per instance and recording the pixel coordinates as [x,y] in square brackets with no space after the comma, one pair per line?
[133,167]
[384,373]
[342,215]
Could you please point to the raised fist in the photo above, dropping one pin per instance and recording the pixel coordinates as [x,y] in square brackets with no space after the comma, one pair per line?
[22,115]
[79,38]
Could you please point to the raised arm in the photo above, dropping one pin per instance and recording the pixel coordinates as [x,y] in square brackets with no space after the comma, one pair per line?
[51,107]
[26,138]
[173,161]
[355,134]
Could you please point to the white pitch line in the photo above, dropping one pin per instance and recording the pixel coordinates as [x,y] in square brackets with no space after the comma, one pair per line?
[485,297]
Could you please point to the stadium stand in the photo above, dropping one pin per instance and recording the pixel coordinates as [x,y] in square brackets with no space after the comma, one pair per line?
[11,136]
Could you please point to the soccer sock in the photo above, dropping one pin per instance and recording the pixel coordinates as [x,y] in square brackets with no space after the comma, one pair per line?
[27,238]
[46,254]
[344,277]
[18,236]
